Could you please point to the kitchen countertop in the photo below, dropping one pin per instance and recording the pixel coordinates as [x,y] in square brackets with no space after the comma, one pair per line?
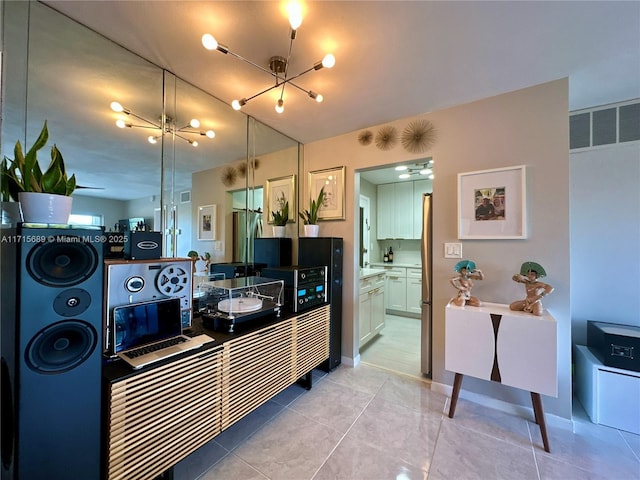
[396,264]
[370,272]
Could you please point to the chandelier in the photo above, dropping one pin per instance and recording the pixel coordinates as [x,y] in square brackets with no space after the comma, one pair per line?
[278,65]
[166,126]
[423,169]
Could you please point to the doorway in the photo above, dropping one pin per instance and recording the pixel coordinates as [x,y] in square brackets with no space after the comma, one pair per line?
[398,346]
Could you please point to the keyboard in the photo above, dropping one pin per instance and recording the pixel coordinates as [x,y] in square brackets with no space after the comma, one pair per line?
[155,347]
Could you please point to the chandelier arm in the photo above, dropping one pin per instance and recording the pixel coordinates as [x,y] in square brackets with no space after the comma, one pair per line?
[143,126]
[129,112]
[265,70]
[183,138]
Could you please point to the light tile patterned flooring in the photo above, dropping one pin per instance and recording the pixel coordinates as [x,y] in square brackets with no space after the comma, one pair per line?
[396,347]
[372,424]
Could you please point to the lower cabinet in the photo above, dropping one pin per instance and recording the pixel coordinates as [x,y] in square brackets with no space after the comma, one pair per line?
[159,416]
[396,288]
[372,307]
[414,290]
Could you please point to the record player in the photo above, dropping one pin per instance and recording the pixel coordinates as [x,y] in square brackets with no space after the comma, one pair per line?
[226,303]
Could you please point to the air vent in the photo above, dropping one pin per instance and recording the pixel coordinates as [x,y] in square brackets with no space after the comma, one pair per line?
[605,125]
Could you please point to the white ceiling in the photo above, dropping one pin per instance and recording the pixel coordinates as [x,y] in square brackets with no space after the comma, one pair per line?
[394,58]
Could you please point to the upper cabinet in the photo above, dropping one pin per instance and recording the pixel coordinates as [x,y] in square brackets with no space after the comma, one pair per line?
[399,212]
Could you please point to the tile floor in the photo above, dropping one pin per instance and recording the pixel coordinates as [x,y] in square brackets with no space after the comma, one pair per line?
[368,423]
[396,347]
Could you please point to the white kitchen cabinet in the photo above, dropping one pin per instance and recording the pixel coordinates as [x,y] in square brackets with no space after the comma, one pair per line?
[385,211]
[395,211]
[396,286]
[414,290]
[371,307]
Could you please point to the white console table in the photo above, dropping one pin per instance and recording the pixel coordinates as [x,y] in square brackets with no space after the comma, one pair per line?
[494,343]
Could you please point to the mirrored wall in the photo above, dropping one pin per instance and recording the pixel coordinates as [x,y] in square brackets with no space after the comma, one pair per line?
[57,70]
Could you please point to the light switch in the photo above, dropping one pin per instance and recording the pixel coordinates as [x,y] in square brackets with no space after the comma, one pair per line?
[452,250]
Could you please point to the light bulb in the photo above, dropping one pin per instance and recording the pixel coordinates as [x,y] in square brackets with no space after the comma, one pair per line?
[280,106]
[425,171]
[120,123]
[194,143]
[209,42]
[431,177]
[400,168]
[195,123]
[319,98]
[404,175]
[238,104]
[295,15]
[328,61]
[116,107]
[210,133]
[152,140]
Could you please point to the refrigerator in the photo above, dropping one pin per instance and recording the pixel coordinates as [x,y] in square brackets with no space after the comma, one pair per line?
[426,251]
[247,226]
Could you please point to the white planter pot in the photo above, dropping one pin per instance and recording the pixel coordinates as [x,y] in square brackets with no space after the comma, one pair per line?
[278,231]
[44,207]
[311,230]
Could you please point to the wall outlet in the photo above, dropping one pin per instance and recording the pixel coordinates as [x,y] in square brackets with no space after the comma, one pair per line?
[452,250]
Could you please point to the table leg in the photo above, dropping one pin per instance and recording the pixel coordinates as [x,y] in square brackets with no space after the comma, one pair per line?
[538,413]
[457,382]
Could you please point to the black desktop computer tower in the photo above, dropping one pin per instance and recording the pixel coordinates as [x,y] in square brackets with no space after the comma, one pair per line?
[273,252]
[318,251]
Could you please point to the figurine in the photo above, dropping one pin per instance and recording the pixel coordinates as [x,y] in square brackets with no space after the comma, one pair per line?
[193,255]
[207,261]
[467,271]
[529,274]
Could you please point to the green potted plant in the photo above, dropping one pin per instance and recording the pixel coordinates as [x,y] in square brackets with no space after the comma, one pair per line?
[310,216]
[45,197]
[280,219]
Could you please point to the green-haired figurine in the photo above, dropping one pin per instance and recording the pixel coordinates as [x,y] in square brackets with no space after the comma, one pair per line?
[529,274]
[463,283]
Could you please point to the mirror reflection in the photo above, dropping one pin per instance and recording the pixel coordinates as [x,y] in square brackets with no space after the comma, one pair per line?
[71,78]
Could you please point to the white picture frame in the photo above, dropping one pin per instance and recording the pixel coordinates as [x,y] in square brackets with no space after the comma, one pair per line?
[207,222]
[332,179]
[279,190]
[492,204]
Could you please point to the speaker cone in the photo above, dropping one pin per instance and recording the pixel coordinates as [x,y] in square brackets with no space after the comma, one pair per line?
[64,262]
[61,346]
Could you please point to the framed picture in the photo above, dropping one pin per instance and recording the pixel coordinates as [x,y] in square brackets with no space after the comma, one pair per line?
[279,191]
[492,204]
[332,179]
[207,222]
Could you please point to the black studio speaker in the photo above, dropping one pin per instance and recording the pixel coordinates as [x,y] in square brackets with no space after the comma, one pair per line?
[52,287]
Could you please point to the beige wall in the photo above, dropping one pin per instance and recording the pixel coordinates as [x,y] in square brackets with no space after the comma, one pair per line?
[208,189]
[526,127]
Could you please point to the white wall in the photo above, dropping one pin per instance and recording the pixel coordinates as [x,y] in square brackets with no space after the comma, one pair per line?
[529,127]
[605,236]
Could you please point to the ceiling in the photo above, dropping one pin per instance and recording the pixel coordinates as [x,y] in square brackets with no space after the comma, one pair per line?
[394,59]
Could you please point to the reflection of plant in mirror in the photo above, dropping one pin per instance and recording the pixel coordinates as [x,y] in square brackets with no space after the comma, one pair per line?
[281,216]
[23,173]
[310,217]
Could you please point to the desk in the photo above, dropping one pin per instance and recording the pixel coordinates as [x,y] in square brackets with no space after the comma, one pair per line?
[494,343]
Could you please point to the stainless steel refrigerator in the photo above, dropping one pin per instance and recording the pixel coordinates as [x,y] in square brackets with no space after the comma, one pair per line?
[426,251]
[246,227]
